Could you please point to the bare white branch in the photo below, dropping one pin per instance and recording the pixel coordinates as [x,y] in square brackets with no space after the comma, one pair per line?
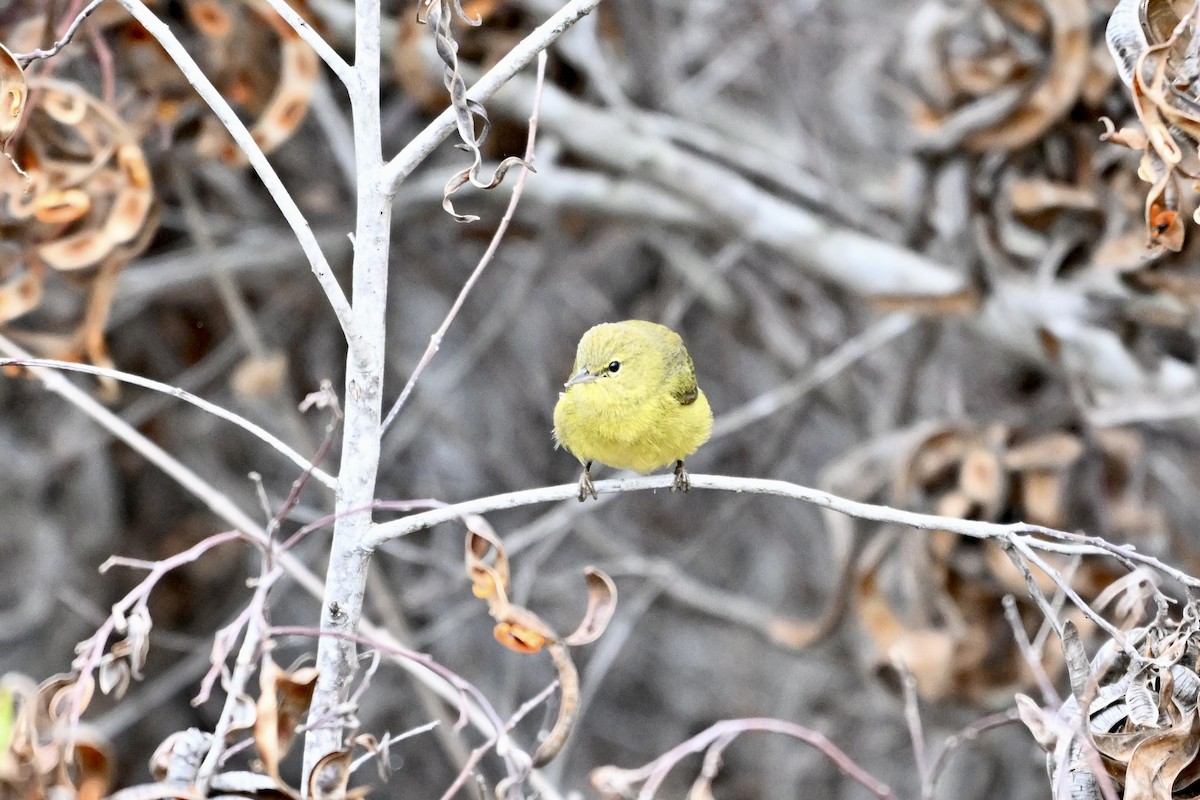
[241,134]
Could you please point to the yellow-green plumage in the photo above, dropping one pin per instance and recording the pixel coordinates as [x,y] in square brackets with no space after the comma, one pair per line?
[645,414]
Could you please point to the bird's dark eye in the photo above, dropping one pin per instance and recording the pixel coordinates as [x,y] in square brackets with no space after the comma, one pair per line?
[613,366]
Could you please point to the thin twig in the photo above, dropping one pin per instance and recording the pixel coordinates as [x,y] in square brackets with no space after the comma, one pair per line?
[968,734]
[91,651]
[621,781]
[435,341]
[1033,657]
[181,394]
[460,688]
[25,59]
[235,687]
[912,718]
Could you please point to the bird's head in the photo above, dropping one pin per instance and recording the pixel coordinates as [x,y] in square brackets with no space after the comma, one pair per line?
[619,358]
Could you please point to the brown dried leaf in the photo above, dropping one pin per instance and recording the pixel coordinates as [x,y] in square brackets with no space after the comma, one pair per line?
[130,209]
[94,768]
[1041,498]
[1054,451]
[61,206]
[928,654]
[488,581]
[13,95]
[520,638]
[66,107]
[261,376]
[266,725]
[602,604]
[1157,761]
[1037,195]
[82,250]
[283,700]
[21,294]
[981,478]
[330,777]
[568,706]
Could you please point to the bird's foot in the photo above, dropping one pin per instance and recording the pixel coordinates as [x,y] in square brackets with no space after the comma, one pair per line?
[585,484]
[682,482]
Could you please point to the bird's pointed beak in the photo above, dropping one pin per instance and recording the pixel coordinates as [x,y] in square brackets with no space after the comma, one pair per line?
[583,376]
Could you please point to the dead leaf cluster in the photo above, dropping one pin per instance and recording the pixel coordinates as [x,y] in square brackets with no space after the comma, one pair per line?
[523,631]
[934,603]
[998,77]
[1132,710]
[77,198]
[257,61]
[43,751]
[1151,43]
[77,192]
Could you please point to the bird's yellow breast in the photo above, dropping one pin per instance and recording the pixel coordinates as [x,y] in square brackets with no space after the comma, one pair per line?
[600,422]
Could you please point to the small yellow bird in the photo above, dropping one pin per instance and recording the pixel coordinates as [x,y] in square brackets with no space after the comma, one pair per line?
[632,402]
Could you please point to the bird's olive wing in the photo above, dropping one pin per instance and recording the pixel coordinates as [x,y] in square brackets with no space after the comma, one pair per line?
[683,381]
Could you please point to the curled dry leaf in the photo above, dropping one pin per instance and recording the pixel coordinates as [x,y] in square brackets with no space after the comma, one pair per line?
[526,637]
[283,700]
[602,604]
[125,658]
[568,706]
[1128,595]
[984,91]
[471,117]
[331,776]
[13,94]
[489,581]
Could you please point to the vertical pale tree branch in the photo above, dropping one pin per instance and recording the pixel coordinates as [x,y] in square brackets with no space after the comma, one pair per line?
[346,576]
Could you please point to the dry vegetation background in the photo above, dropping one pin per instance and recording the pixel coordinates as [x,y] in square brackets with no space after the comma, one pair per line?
[909,271]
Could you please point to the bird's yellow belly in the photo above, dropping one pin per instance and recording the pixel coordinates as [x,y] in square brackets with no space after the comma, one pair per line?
[642,438]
